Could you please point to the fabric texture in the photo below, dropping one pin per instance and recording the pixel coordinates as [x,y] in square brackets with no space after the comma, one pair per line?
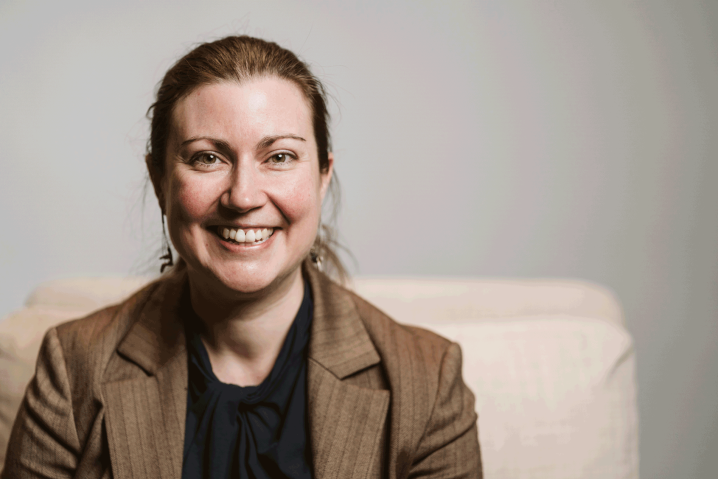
[109,396]
[253,431]
[558,392]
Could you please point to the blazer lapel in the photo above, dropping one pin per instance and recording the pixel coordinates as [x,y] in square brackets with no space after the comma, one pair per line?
[346,421]
[145,413]
[346,425]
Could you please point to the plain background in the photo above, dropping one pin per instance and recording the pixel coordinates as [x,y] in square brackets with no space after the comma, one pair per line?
[486,138]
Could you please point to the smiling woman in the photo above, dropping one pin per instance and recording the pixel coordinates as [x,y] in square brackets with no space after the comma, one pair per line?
[244,360]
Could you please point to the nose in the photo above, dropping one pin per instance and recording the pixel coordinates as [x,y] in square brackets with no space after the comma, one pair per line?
[244,191]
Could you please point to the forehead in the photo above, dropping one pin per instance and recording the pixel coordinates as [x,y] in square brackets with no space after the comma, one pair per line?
[243,111]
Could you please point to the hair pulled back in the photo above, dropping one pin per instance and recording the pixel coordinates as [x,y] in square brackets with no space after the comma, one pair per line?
[238,59]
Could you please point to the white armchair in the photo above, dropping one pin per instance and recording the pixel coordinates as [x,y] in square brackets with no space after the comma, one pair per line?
[550,362]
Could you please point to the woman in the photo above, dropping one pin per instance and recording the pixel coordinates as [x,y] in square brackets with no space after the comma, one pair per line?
[245,360]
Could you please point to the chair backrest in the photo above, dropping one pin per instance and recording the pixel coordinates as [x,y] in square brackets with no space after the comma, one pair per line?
[550,362]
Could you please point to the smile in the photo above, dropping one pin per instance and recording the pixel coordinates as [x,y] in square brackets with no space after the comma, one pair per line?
[245,236]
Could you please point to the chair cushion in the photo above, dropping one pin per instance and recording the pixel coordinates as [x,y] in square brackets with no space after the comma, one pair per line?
[555,396]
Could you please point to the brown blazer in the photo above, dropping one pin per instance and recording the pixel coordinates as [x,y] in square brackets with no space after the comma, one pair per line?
[109,395]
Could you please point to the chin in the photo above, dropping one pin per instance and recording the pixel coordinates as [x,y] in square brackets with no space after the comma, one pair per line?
[252,279]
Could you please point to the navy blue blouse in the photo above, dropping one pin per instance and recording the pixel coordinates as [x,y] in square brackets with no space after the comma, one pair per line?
[254,431]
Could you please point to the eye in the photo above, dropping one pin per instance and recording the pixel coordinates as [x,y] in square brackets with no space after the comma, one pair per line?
[281,158]
[206,159]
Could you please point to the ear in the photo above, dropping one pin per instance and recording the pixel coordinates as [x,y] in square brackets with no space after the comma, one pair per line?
[326,176]
[156,181]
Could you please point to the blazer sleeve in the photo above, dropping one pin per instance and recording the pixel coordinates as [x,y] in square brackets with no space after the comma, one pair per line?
[450,444]
[44,441]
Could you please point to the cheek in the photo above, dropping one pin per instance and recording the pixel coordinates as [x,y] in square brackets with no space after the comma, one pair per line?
[189,200]
[300,202]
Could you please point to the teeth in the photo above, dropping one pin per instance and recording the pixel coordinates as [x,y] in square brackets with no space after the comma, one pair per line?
[242,236]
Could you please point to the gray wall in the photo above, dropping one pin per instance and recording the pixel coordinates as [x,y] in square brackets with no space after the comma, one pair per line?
[494,138]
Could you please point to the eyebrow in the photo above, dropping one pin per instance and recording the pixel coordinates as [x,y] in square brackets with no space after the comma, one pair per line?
[220,144]
[266,142]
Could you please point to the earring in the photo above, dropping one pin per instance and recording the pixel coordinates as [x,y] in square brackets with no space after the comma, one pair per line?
[316,259]
[167,258]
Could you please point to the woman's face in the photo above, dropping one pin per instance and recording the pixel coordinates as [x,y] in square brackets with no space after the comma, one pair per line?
[242,163]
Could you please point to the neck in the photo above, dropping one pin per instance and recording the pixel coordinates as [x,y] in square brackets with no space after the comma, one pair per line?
[243,336]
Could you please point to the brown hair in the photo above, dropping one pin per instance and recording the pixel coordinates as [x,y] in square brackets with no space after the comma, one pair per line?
[237,59]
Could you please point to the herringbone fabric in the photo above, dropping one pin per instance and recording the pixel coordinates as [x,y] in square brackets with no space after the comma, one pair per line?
[110,392]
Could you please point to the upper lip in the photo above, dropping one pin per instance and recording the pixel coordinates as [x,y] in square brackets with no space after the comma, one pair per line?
[242,227]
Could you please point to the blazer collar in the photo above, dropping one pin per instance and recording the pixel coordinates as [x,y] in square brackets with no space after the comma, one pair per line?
[339,341]
[346,422]
[145,414]
[158,334]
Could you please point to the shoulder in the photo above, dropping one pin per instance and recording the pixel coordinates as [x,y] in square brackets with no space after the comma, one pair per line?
[414,360]
[430,403]
[396,344]
[89,343]
[63,402]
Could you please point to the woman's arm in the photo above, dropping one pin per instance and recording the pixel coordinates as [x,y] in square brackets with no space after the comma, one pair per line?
[44,441]
[450,444]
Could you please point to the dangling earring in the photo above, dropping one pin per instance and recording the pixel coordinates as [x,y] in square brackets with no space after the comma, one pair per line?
[315,252]
[167,258]
[316,258]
